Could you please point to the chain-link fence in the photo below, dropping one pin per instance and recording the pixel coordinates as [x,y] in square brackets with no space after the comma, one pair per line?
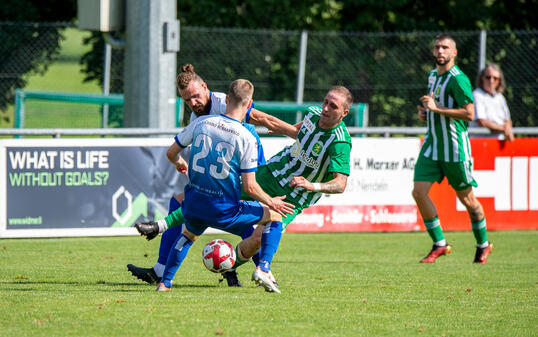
[386,70]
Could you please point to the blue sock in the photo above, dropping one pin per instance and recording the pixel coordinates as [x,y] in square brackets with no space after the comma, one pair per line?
[255,257]
[270,240]
[170,235]
[177,255]
[174,204]
[167,240]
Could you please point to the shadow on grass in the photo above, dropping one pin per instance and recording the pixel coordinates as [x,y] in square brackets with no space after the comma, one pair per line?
[72,284]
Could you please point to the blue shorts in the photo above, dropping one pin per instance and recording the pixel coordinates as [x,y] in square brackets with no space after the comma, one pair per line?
[248,214]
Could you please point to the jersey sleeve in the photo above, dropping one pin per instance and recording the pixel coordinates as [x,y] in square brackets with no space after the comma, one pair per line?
[247,115]
[184,137]
[249,155]
[340,154]
[218,103]
[462,91]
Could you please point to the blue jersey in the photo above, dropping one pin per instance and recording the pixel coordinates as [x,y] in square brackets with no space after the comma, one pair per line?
[222,148]
[261,155]
[217,106]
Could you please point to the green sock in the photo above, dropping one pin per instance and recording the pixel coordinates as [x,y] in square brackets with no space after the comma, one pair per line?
[238,261]
[434,229]
[480,231]
[175,218]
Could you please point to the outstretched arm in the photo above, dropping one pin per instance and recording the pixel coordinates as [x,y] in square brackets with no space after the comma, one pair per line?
[275,125]
[252,188]
[334,186]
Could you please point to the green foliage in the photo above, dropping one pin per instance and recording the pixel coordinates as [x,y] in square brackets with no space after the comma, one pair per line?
[17,34]
[376,75]
[347,284]
[389,72]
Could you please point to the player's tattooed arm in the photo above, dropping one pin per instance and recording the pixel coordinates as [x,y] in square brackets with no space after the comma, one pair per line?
[334,186]
[273,124]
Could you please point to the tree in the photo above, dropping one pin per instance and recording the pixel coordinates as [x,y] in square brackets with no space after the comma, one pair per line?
[19,27]
[277,66]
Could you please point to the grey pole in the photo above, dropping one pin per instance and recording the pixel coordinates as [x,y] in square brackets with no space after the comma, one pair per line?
[152,41]
[301,73]
[482,52]
[106,81]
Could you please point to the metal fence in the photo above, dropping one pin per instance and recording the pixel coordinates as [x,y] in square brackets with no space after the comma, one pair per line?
[388,71]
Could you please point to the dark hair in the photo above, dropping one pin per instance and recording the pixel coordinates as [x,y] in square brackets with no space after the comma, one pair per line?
[186,76]
[444,36]
[500,86]
[345,93]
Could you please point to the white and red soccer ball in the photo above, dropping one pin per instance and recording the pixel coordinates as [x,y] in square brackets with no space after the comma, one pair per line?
[218,256]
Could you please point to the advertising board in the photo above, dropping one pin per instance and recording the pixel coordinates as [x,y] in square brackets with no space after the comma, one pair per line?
[102,186]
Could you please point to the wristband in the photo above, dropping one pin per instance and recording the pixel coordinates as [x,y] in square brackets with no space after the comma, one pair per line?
[317,186]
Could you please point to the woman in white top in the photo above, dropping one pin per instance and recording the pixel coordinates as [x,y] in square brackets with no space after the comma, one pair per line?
[491,110]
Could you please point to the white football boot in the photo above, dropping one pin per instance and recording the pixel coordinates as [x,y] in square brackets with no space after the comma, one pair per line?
[265,280]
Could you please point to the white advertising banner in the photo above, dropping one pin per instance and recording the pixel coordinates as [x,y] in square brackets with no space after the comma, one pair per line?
[378,194]
[72,187]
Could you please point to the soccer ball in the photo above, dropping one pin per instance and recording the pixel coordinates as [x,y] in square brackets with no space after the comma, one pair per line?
[218,256]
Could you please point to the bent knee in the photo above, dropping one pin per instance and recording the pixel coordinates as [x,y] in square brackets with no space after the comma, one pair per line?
[256,237]
[418,193]
[275,216]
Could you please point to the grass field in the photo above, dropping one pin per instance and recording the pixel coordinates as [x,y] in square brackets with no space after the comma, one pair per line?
[332,285]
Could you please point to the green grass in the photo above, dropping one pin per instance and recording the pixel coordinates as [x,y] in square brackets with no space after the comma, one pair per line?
[65,73]
[332,285]
[72,45]
[64,76]
[47,114]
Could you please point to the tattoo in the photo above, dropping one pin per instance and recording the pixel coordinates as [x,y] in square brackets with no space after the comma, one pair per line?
[476,213]
[331,187]
[335,186]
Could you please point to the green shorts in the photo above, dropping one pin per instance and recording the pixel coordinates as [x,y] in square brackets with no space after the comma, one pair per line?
[270,185]
[458,174]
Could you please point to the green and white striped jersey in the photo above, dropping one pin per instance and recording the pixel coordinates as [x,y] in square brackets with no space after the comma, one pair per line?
[315,155]
[447,139]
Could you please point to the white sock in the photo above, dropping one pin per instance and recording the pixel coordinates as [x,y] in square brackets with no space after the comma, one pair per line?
[159,269]
[484,245]
[440,243]
[162,225]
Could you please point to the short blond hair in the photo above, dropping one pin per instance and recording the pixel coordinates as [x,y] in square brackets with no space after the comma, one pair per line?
[344,92]
[240,92]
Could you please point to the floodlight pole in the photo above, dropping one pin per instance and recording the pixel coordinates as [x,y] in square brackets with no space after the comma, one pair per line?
[152,41]
[106,81]
[482,50]
[301,73]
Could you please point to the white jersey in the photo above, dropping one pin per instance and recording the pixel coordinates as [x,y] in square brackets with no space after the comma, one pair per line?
[491,108]
[222,148]
[218,106]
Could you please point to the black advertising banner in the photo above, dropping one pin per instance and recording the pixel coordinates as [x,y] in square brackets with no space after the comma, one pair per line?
[92,183]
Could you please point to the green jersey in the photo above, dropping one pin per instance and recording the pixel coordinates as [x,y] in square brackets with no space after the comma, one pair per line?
[315,155]
[447,138]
